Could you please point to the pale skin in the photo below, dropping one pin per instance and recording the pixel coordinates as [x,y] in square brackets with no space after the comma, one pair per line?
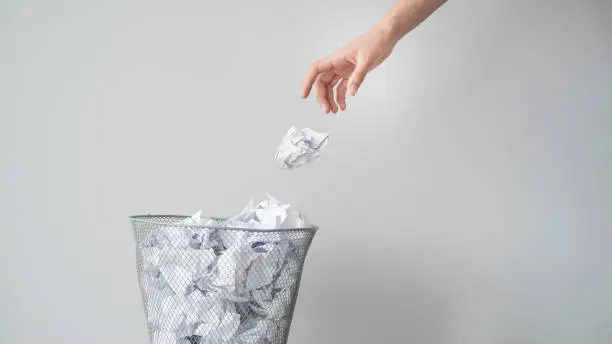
[346,68]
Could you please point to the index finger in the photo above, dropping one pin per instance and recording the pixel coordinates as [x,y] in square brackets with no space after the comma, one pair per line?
[317,68]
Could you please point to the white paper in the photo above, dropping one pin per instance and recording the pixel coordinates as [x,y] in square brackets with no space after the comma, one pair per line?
[150,257]
[195,303]
[289,273]
[300,147]
[295,219]
[279,304]
[267,214]
[171,313]
[258,331]
[266,265]
[230,271]
[155,296]
[224,285]
[211,316]
[178,277]
[175,236]
[229,324]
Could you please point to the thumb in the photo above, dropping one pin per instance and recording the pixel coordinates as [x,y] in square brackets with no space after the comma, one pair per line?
[358,75]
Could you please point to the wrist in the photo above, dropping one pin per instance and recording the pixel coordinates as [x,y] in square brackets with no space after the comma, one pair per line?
[391,28]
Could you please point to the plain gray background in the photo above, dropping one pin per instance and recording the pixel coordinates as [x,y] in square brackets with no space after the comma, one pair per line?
[465,196]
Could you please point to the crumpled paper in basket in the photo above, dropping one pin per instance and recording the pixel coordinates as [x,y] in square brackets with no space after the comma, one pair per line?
[209,285]
[300,147]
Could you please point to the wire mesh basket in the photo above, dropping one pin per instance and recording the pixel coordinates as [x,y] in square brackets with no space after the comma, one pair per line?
[213,285]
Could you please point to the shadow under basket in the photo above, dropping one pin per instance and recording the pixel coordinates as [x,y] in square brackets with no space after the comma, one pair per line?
[213,285]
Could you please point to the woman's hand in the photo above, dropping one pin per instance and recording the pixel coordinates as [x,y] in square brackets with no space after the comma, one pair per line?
[346,68]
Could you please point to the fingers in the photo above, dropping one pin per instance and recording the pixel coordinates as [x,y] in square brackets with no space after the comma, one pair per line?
[341,94]
[321,92]
[325,84]
[358,75]
[324,78]
[317,68]
[330,93]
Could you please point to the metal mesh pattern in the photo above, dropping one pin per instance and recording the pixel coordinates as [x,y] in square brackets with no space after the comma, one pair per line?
[212,285]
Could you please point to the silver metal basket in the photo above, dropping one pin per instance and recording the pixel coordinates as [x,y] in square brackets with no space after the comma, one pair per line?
[218,284]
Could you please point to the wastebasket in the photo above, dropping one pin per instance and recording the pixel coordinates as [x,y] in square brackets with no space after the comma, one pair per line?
[214,284]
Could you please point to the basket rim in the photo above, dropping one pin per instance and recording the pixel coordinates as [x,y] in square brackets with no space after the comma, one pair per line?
[151,220]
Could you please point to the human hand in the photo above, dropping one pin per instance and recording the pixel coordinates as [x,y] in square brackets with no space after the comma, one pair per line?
[347,68]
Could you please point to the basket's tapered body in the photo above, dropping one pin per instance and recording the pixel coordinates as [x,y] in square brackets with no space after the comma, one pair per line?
[213,285]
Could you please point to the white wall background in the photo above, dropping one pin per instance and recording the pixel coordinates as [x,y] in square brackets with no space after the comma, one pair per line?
[465,196]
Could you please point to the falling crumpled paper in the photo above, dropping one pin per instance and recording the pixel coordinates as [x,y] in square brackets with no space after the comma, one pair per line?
[300,147]
[210,285]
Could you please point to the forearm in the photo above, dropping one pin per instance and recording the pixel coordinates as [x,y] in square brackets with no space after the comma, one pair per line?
[406,15]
